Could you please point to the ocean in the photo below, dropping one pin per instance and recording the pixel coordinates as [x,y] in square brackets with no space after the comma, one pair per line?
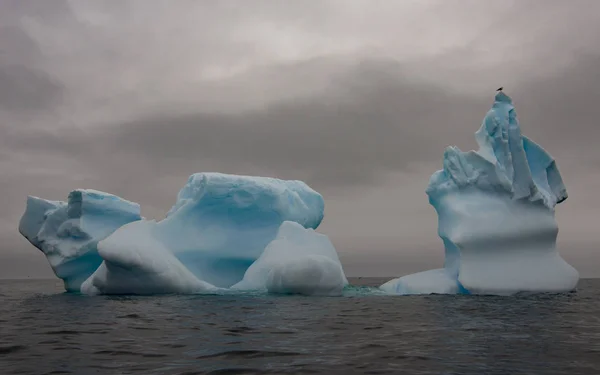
[46,331]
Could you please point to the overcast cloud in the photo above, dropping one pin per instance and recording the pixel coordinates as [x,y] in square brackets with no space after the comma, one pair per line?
[357,98]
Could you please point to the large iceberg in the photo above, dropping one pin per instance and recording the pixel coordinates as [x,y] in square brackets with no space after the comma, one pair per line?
[495,211]
[219,226]
[68,232]
[297,261]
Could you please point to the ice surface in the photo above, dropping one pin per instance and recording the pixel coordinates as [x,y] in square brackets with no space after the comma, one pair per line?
[496,215]
[297,261]
[438,281]
[135,263]
[312,275]
[506,163]
[218,227]
[68,232]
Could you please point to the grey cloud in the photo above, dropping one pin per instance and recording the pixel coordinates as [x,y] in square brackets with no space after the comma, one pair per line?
[369,121]
[26,89]
[16,46]
[365,125]
[561,111]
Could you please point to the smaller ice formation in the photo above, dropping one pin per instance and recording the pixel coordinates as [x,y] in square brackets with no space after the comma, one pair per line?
[297,261]
[495,211]
[210,240]
[134,263]
[437,281]
[68,232]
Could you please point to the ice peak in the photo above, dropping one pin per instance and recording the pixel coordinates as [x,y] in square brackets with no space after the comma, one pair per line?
[501,97]
[506,161]
[495,211]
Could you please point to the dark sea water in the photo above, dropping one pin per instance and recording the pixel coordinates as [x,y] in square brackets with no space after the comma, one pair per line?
[45,331]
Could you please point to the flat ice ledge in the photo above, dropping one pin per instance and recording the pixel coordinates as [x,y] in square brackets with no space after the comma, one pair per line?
[437,281]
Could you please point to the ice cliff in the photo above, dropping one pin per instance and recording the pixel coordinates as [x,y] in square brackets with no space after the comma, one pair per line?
[495,211]
[219,226]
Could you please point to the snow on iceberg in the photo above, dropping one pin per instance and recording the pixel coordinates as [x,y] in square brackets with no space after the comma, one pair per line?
[495,212]
[68,232]
[297,261]
[218,227]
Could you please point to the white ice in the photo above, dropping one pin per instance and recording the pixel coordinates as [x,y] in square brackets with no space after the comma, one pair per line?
[135,263]
[297,261]
[438,281]
[496,216]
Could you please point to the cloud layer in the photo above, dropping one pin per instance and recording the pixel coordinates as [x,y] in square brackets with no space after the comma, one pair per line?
[357,98]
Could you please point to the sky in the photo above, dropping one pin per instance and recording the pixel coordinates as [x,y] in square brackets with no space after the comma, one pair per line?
[357,98]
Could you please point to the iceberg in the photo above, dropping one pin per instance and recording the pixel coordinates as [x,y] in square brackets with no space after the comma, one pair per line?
[297,261]
[219,226]
[68,232]
[495,211]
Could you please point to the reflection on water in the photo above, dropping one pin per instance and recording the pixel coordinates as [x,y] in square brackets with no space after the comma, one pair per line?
[43,330]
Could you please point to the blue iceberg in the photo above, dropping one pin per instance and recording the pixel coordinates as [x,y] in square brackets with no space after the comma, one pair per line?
[495,211]
[218,228]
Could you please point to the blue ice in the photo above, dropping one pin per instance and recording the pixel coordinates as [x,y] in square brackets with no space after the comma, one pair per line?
[495,211]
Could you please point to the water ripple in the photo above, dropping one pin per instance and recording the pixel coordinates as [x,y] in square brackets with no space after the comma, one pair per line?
[43,330]
[247,354]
